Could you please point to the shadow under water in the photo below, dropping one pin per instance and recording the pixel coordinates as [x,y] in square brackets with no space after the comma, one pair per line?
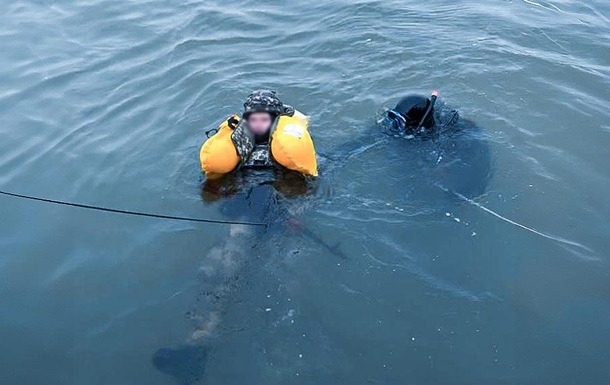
[225,264]
[274,197]
[455,161]
[454,157]
[464,160]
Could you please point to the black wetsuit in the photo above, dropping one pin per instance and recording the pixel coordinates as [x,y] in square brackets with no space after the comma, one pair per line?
[451,151]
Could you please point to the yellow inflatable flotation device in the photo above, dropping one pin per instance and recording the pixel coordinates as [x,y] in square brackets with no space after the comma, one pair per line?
[218,154]
[291,146]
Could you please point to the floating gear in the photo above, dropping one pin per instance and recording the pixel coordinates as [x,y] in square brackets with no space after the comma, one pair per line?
[218,154]
[290,145]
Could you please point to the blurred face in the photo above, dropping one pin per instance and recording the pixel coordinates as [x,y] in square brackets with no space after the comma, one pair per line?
[259,122]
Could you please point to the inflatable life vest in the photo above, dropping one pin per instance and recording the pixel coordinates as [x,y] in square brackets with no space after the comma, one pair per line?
[291,146]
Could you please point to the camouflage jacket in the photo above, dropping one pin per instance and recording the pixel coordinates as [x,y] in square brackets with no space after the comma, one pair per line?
[251,154]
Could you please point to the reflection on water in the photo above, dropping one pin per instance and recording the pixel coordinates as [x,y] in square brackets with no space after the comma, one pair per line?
[411,261]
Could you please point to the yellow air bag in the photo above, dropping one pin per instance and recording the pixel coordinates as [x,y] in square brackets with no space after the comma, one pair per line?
[218,154]
[292,146]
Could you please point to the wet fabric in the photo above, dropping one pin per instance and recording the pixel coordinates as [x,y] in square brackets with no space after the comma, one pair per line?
[260,157]
[263,101]
[243,140]
[412,108]
[441,119]
[287,183]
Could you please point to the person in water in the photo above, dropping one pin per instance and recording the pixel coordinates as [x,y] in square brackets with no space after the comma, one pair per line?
[461,155]
[246,162]
[269,136]
[252,135]
[415,115]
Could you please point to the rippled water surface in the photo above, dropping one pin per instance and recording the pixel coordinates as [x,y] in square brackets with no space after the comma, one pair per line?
[393,275]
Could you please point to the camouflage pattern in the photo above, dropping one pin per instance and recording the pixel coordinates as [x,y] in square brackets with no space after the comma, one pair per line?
[243,140]
[251,155]
[263,101]
[288,110]
[260,157]
[258,101]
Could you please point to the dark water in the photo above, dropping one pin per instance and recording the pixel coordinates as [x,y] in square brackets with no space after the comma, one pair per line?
[106,102]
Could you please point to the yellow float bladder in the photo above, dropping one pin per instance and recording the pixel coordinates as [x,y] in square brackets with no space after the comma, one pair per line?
[291,147]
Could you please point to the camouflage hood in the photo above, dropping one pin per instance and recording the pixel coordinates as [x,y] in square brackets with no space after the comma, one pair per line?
[263,101]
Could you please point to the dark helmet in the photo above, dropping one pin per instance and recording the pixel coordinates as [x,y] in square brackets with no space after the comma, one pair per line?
[263,101]
[410,110]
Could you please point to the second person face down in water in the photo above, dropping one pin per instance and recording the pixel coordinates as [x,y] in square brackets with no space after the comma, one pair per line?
[413,113]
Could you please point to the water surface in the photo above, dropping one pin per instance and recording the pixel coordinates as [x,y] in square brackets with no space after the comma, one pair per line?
[107,102]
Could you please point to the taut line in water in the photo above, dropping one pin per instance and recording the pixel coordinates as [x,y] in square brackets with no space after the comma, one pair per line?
[133,213]
[517,224]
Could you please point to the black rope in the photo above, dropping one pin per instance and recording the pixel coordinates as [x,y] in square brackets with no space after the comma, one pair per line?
[127,212]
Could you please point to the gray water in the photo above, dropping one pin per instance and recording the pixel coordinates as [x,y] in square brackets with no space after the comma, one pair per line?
[106,102]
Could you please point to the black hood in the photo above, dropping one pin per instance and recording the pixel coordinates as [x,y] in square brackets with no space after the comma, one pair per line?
[413,109]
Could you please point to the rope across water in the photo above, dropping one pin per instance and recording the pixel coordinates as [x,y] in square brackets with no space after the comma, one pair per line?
[129,212]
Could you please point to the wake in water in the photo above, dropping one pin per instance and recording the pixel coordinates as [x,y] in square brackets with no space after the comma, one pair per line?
[569,245]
